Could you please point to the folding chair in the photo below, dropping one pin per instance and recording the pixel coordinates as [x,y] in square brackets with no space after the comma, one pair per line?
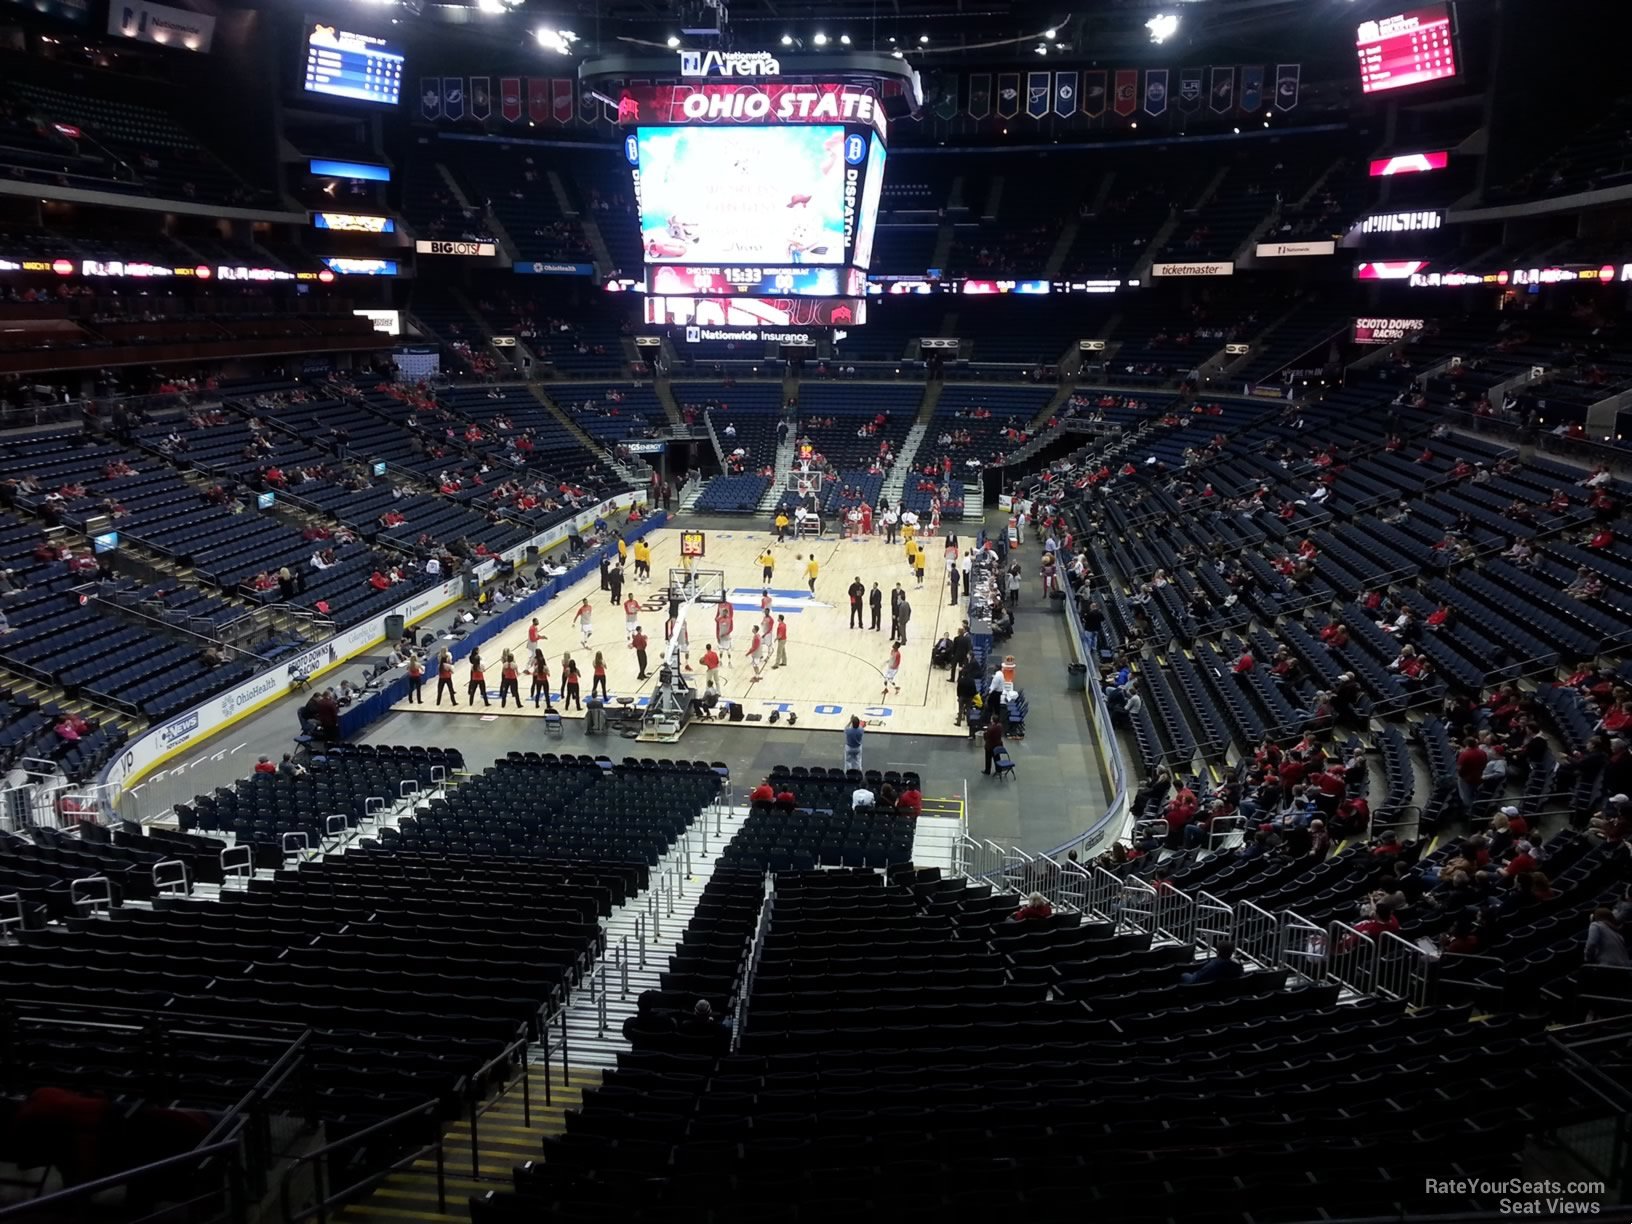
[1003,764]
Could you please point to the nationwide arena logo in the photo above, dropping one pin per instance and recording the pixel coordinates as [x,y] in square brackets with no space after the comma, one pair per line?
[729,63]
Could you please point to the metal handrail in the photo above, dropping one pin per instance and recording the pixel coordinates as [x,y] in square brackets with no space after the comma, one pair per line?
[48,1205]
[318,1161]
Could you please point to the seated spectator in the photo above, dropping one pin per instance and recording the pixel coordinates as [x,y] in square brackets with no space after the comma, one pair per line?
[1036,906]
[1222,967]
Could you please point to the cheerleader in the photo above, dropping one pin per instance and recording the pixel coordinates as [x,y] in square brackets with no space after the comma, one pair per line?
[478,680]
[541,681]
[444,679]
[509,681]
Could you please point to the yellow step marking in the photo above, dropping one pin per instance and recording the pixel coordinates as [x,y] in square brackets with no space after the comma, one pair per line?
[401,1213]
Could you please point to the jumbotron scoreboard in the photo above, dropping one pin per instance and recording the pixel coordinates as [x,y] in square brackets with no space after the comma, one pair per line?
[757,198]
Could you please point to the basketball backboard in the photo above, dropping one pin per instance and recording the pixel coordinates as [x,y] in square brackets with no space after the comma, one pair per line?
[708,585]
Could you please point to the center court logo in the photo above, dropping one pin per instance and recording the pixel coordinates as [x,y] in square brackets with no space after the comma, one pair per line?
[784,601]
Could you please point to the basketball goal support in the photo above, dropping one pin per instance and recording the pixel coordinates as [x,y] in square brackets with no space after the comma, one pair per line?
[670,708]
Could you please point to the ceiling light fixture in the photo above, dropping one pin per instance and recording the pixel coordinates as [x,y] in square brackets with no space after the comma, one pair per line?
[1162,27]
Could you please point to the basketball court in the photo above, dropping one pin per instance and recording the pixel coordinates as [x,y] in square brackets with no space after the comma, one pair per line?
[833,672]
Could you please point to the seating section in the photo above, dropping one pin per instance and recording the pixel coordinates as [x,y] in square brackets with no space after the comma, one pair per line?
[972,428]
[120,143]
[745,418]
[1391,569]
[514,180]
[898,1033]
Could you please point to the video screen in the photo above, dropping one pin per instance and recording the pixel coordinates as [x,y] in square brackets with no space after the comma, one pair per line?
[1406,49]
[871,186]
[344,64]
[756,312]
[745,195]
[1410,163]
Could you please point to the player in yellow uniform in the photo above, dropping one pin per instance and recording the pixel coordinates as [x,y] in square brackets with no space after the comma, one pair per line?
[623,551]
[912,552]
[643,561]
[767,566]
[781,525]
[812,567]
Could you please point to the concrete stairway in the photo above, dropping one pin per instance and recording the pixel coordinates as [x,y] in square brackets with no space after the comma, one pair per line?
[640,936]
[785,452]
[896,482]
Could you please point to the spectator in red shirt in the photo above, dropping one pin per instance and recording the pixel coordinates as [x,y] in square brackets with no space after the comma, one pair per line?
[911,801]
[763,793]
[785,802]
[265,766]
[1523,860]
[1470,770]
[1036,906]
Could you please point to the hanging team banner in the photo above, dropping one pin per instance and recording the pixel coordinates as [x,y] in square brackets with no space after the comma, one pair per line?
[1189,90]
[1008,95]
[510,99]
[1156,91]
[1286,86]
[430,97]
[1222,89]
[1037,94]
[481,98]
[1093,93]
[453,97]
[609,111]
[589,106]
[980,95]
[946,102]
[1252,87]
[561,100]
[538,99]
[1065,94]
[1127,91]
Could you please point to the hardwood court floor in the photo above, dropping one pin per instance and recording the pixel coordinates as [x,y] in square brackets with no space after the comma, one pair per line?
[833,671]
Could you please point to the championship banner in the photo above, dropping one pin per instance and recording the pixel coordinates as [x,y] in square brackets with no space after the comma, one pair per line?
[1093,93]
[1286,85]
[1037,91]
[1155,91]
[481,97]
[1127,91]
[1221,89]
[1252,87]
[1065,94]
[589,106]
[609,111]
[1189,90]
[946,103]
[430,97]
[1008,95]
[510,99]
[453,97]
[561,100]
[980,95]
